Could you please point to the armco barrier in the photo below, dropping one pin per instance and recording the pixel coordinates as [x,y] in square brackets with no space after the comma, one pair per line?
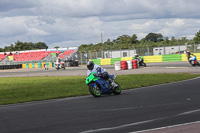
[113,60]
[96,61]
[150,59]
[184,57]
[173,57]
[126,58]
[105,61]
[198,55]
[147,59]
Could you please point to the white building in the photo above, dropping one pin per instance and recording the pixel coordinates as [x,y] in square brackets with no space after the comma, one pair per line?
[119,53]
[168,49]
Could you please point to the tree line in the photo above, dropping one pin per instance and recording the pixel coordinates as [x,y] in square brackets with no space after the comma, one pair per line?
[21,46]
[131,42]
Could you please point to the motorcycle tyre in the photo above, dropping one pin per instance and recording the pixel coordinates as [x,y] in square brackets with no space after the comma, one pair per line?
[117,90]
[144,64]
[198,64]
[93,92]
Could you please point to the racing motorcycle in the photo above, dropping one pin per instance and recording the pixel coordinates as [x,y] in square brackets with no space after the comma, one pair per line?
[141,62]
[59,65]
[98,86]
[193,61]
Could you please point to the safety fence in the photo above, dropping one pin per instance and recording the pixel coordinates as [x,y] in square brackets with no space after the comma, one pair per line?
[147,59]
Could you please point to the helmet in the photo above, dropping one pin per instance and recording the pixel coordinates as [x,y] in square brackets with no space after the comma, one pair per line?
[90,65]
[105,75]
[187,51]
[136,55]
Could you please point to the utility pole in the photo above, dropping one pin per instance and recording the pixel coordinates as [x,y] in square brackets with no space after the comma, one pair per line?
[102,44]
[101,39]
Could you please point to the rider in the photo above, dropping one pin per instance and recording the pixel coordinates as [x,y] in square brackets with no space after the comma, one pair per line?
[59,60]
[136,56]
[100,71]
[188,54]
[96,68]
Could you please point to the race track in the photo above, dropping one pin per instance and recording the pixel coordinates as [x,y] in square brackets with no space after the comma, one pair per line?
[134,110]
[164,67]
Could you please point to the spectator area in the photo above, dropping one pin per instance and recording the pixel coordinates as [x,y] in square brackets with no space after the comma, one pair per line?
[30,56]
[2,56]
[35,55]
[66,53]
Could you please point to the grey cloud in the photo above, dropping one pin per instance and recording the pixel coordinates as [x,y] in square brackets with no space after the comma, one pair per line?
[7,5]
[82,21]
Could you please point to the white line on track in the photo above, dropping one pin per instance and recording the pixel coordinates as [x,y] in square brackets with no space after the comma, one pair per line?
[143,122]
[117,127]
[166,127]
[190,112]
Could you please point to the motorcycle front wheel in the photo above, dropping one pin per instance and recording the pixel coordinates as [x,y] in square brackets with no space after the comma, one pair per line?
[117,89]
[95,91]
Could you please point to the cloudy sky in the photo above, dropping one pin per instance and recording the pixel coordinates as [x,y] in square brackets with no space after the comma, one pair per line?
[67,23]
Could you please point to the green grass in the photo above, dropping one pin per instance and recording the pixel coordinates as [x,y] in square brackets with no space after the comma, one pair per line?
[24,89]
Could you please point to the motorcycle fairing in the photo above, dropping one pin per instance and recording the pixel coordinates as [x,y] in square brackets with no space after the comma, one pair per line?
[193,58]
[103,85]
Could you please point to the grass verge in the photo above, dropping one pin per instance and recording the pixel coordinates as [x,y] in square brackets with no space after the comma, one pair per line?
[25,89]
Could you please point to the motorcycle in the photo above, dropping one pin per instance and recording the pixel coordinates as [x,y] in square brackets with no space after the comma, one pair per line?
[59,65]
[193,61]
[98,86]
[141,62]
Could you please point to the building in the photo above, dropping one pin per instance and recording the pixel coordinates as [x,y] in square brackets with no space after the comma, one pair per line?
[120,53]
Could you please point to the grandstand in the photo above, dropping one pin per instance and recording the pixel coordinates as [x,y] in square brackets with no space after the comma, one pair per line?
[37,55]
[2,56]
[32,56]
[67,53]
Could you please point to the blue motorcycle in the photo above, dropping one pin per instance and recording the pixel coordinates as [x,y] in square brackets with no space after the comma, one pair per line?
[99,86]
[193,61]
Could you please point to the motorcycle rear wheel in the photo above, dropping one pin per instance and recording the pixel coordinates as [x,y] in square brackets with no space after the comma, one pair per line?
[95,91]
[117,89]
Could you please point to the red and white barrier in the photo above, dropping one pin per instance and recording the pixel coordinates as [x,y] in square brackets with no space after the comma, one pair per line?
[123,65]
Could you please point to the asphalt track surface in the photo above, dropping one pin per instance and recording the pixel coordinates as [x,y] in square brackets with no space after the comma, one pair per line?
[134,110]
[165,67]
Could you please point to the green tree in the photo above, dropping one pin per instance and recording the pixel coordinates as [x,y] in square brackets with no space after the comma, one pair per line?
[134,39]
[154,37]
[1,50]
[197,37]
[41,45]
